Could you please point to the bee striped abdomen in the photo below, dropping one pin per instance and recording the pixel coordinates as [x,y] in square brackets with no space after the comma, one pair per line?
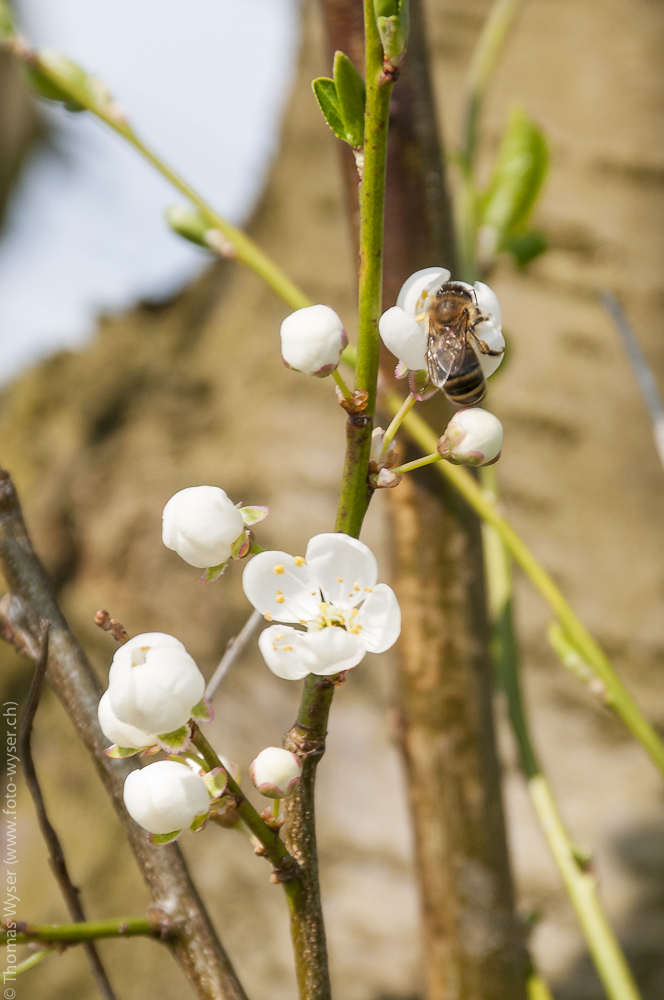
[466,388]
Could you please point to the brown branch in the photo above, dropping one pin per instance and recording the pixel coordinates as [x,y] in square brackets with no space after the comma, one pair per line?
[196,945]
[56,854]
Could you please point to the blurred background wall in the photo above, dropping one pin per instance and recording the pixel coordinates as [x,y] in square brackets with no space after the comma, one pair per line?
[189,388]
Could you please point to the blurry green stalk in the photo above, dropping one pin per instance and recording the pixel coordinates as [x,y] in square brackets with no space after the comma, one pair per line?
[579,880]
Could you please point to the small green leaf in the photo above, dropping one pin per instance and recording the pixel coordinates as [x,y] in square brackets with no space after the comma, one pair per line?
[119,753]
[526,246]
[200,822]
[76,89]
[386,8]
[518,176]
[252,515]
[326,95]
[189,223]
[213,573]
[179,739]
[393,38]
[203,711]
[160,839]
[43,87]
[351,98]
[7,28]
[216,781]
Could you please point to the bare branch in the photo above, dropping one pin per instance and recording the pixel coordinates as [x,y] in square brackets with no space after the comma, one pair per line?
[233,650]
[57,857]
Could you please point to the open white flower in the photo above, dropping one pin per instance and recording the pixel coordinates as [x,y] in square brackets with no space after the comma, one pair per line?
[473,437]
[154,684]
[406,336]
[275,772]
[202,524]
[166,797]
[332,593]
[312,340]
[121,733]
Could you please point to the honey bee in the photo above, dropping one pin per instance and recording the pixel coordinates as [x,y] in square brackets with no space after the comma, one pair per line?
[453,347]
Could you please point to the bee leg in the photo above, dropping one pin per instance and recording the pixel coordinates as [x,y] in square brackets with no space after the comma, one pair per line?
[484,347]
[478,320]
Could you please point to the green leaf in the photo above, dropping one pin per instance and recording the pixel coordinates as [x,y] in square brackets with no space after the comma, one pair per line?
[179,739]
[200,822]
[252,515]
[351,98]
[119,753]
[393,38]
[526,246]
[213,573]
[326,95]
[518,176]
[386,8]
[7,28]
[160,839]
[203,711]
[43,87]
[216,781]
[189,223]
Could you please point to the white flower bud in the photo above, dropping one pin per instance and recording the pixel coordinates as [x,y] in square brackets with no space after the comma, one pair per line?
[312,340]
[120,733]
[275,772]
[165,797]
[201,524]
[154,683]
[473,437]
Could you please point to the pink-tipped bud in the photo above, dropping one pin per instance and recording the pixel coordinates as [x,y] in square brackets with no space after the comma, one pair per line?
[472,437]
[312,340]
[275,772]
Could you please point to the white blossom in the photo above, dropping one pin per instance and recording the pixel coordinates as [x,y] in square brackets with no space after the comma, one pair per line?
[154,683]
[406,336]
[473,437]
[312,340]
[121,733]
[275,772]
[165,797]
[333,595]
[201,524]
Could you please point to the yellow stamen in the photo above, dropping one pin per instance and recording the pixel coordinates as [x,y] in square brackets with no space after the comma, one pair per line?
[278,569]
[268,617]
[339,580]
[356,586]
[300,560]
[279,599]
[420,316]
[369,590]
[287,649]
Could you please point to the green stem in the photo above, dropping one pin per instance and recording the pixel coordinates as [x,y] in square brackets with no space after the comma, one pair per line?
[417,463]
[536,988]
[273,846]
[619,697]
[75,933]
[32,960]
[397,420]
[580,883]
[355,491]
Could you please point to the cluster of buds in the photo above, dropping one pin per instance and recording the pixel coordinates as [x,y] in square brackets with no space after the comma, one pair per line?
[381,461]
[207,529]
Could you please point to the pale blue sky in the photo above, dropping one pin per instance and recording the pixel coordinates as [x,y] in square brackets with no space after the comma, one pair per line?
[204,82]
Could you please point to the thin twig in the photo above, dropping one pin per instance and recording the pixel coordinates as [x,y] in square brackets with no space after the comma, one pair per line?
[642,369]
[57,857]
[233,650]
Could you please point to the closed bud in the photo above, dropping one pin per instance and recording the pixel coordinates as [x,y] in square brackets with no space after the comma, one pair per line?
[121,733]
[473,437]
[201,524]
[275,772]
[312,340]
[165,797]
[154,683]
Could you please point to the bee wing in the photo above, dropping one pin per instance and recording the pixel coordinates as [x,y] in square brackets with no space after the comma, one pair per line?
[445,352]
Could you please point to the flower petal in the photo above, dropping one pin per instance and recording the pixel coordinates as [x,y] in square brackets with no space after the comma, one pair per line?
[488,304]
[494,339]
[380,619]
[415,289]
[281,587]
[404,337]
[329,650]
[278,644]
[342,567]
